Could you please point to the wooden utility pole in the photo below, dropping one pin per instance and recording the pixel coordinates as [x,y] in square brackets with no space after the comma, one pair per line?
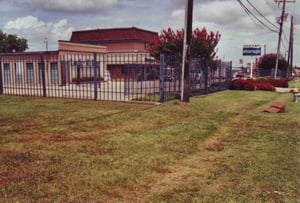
[291,48]
[281,20]
[279,38]
[185,79]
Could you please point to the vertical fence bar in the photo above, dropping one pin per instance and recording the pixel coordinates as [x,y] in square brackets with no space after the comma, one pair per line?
[230,70]
[161,79]
[95,66]
[125,82]
[205,75]
[1,78]
[220,75]
[43,76]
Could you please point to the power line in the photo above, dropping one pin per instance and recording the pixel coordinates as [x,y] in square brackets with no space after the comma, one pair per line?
[284,45]
[285,37]
[261,14]
[251,15]
[247,12]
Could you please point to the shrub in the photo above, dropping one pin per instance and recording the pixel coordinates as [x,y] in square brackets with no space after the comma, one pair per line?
[264,86]
[249,84]
[278,82]
[282,82]
[241,84]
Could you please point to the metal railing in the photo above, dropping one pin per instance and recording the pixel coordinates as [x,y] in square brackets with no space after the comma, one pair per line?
[117,76]
[205,76]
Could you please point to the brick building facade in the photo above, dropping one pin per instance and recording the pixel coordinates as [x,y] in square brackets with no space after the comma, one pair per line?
[107,45]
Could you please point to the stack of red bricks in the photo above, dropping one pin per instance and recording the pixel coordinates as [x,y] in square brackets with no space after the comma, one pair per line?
[276,107]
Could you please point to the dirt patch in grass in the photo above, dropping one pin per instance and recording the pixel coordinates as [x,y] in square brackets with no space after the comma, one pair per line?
[215,147]
[51,137]
[19,167]
[14,177]
[14,158]
[64,138]
[159,169]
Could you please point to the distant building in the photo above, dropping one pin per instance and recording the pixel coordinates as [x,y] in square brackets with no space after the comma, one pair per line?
[116,39]
[114,48]
[26,67]
[130,39]
[238,72]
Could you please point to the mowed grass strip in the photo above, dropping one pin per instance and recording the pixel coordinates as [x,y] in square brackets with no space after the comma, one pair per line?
[219,148]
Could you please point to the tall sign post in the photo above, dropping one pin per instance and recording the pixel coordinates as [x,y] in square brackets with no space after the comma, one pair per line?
[251,50]
[185,80]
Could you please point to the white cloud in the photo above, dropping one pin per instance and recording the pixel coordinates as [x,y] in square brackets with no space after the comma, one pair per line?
[27,22]
[230,16]
[235,26]
[84,6]
[222,14]
[35,31]
[178,13]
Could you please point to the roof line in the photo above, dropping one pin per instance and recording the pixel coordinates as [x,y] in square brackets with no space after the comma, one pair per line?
[27,53]
[120,28]
[111,41]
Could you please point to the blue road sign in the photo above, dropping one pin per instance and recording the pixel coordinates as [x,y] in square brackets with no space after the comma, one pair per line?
[251,51]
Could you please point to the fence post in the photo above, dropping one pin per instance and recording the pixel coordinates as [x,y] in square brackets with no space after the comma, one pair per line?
[1,78]
[161,79]
[230,68]
[95,66]
[78,65]
[220,74]
[43,76]
[204,61]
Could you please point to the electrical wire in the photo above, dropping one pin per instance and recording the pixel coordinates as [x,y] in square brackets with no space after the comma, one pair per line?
[261,14]
[284,45]
[285,36]
[251,15]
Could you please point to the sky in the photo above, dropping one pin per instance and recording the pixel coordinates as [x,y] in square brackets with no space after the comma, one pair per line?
[55,20]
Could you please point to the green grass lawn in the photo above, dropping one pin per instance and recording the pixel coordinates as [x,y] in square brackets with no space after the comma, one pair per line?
[294,83]
[218,148]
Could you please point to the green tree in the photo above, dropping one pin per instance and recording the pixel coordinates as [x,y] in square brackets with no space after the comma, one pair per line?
[12,43]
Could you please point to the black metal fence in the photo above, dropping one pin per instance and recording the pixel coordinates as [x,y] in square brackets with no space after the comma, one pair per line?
[123,76]
[205,76]
[271,72]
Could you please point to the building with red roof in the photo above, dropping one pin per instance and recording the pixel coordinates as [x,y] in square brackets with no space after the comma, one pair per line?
[116,39]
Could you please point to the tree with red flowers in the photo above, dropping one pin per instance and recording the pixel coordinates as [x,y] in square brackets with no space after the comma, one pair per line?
[170,42]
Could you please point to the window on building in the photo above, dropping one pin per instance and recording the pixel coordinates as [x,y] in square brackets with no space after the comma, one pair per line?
[54,73]
[6,73]
[18,72]
[29,70]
